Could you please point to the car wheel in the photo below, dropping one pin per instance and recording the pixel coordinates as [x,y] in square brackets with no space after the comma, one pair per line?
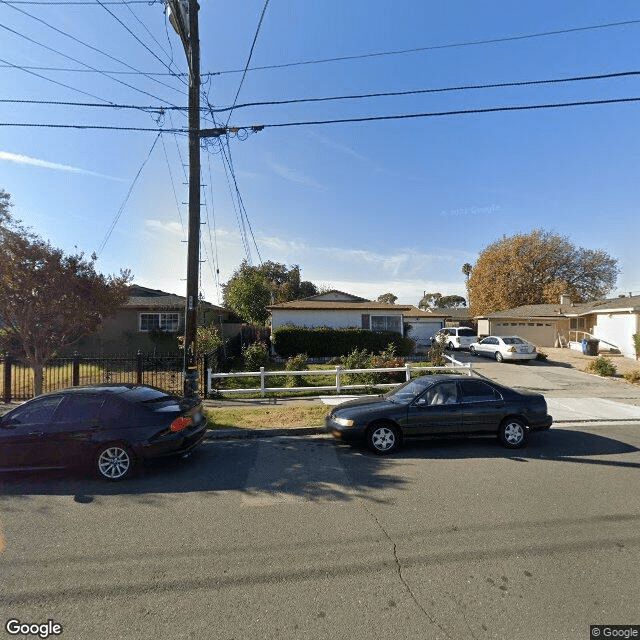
[383,438]
[472,351]
[498,357]
[450,346]
[114,462]
[512,433]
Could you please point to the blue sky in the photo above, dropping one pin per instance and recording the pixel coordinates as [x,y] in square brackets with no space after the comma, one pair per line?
[366,207]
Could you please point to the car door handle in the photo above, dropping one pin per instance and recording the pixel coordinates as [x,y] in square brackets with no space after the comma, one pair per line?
[36,433]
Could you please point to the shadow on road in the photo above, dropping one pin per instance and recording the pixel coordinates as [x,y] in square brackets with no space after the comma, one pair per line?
[313,469]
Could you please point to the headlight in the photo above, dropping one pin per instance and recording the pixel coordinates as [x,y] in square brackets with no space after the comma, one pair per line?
[343,422]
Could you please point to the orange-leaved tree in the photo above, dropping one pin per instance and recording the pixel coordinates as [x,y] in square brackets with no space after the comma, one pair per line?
[536,268]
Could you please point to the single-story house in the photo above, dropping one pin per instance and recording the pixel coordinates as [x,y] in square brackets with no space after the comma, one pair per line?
[613,321]
[339,310]
[149,321]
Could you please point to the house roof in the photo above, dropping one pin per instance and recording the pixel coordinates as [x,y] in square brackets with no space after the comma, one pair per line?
[626,303]
[145,298]
[364,306]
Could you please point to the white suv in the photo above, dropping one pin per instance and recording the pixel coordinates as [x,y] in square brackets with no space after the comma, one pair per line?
[456,337]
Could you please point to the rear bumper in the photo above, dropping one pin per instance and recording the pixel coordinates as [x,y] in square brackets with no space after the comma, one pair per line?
[541,425]
[175,444]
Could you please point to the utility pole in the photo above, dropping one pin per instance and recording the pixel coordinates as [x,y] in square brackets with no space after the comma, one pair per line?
[183,16]
[193,247]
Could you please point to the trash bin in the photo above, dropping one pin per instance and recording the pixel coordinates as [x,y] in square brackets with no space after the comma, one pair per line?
[584,346]
[592,347]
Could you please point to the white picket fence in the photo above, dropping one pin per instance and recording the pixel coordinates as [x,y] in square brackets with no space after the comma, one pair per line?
[338,372]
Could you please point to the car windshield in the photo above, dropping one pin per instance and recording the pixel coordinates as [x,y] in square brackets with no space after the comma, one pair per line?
[513,340]
[408,391]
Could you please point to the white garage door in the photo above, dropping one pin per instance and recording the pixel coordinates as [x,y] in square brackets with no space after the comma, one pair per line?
[542,334]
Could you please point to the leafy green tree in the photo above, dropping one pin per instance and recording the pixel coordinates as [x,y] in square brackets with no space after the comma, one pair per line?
[536,268]
[49,299]
[429,301]
[388,298]
[251,289]
[451,302]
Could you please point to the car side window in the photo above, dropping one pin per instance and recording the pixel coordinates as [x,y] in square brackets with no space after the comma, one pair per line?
[79,408]
[115,410]
[443,393]
[477,391]
[38,411]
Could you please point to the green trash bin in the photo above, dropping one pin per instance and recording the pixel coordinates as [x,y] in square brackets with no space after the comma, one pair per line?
[592,347]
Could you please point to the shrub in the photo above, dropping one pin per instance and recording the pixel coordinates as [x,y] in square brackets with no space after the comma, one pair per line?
[296,363]
[636,343]
[326,342]
[436,352]
[542,355]
[633,376]
[255,355]
[601,366]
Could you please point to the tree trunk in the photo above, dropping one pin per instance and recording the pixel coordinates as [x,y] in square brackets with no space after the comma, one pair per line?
[38,374]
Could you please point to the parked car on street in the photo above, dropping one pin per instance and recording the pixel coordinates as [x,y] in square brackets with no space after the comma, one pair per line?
[108,428]
[440,405]
[504,348]
[455,337]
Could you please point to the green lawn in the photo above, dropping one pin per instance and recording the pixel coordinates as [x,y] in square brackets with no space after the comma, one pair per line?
[267,417]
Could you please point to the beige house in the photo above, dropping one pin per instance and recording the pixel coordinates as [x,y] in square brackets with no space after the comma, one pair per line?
[613,322]
[149,321]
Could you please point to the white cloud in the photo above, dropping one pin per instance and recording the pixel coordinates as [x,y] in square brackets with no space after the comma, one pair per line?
[295,176]
[45,164]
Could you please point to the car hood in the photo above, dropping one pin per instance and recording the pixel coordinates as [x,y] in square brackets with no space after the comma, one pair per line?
[360,405]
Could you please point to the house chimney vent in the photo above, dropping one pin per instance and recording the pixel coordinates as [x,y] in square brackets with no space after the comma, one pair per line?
[565,299]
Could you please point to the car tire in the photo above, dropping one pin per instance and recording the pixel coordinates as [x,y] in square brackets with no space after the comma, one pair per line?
[114,462]
[498,356]
[512,433]
[383,438]
[472,351]
[450,346]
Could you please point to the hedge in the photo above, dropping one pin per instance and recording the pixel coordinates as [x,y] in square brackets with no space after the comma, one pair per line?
[325,342]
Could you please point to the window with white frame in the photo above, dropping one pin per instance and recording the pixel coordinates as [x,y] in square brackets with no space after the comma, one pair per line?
[165,321]
[386,323]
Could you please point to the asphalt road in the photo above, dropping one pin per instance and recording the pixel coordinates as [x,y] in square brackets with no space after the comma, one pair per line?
[306,538]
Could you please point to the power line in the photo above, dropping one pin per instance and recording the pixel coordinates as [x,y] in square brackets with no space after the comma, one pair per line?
[471,43]
[210,109]
[460,112]
[122,206]
[253,44]
[495,85]
[404,116]
[84,44]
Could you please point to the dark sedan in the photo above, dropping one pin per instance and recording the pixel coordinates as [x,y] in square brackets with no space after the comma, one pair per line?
[107,427]
[440,405]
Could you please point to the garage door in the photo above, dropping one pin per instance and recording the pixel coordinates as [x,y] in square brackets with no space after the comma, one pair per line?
[542,334]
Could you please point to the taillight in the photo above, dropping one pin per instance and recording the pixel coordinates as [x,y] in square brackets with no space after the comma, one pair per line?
[512,350]
[180,423]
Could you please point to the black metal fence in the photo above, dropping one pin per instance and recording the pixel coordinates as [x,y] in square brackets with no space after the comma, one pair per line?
[163,371]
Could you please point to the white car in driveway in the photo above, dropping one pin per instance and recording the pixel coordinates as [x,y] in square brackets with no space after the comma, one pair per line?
[455,337]
[504,348]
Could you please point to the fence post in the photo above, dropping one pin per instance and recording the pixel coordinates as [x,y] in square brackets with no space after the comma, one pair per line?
[205,373]
[75,369]
[139,367]
[8,361]
[408,371]
[262,381]
[338,370]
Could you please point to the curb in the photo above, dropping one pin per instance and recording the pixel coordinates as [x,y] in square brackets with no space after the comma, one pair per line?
[245,434]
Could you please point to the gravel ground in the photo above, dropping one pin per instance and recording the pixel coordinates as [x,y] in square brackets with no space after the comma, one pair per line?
[579,361]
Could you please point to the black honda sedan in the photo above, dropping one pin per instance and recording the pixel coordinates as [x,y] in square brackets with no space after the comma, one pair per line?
[109,428]
[440,405]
